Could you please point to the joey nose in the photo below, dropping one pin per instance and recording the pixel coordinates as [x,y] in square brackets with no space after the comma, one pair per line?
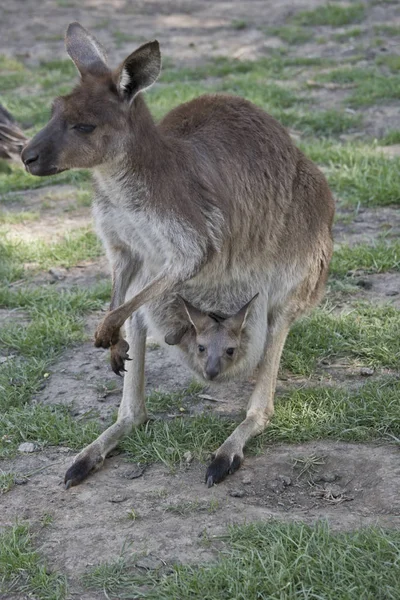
[212,369]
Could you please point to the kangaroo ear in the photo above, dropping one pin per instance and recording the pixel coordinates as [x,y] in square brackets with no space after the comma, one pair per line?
[140,70]
[238,321]
[86,52]
[198,319]
[175,337]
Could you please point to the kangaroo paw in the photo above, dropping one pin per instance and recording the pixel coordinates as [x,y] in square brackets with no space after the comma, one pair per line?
[119,354]
[107,333]
[82,467]
[221,466]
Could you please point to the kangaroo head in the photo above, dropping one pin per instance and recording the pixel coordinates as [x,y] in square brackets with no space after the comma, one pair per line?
[215,344]
[92,125]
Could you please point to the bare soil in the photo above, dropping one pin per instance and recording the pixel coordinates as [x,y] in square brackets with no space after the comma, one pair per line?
[356,484]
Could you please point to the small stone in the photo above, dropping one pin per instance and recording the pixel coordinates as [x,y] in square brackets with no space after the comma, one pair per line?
[392,293]
[247,479]
[366,371]
[285,480]
[327,477]
[118,499]
[20,480]
[335,490]
[26,447]
[134,473]
[57,274]
[237,493]
[188,456]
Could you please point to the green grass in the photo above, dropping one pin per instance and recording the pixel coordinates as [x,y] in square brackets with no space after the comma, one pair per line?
[387,30]
[22,571]
[357,173]
[392,137]
[19,179]
[348,34]
[372,85]
[362,333]
[333,14]
[370,413]
[379,257]
[291,34]
[16,256]
[274,561]
[6,482]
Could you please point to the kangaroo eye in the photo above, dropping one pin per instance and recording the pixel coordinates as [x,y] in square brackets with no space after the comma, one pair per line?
[82,128]
[230,351]
[200,348]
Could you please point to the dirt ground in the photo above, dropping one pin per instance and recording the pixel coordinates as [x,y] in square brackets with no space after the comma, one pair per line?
[355,484]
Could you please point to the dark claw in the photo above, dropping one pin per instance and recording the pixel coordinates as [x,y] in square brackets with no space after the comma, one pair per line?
[220,467]
[119,354]
[77,472]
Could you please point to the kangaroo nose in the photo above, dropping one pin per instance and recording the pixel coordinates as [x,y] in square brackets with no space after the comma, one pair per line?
[29,157]
[212,370]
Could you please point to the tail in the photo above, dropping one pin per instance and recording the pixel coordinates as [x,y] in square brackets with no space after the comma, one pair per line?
[12,139]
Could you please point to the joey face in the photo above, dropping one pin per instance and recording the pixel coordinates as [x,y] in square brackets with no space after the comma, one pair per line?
[92,125]
[217,349]
[215,344]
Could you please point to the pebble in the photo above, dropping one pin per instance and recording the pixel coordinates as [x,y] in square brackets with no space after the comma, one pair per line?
[26,447]
[285,480]
[247,479]
[366,371]
[188,456]
[150,563]
[134,473]
[118,499]
[237,493]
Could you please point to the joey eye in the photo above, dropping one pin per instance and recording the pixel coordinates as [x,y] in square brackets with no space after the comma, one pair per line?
[83,128]
[230,351]
[200,348]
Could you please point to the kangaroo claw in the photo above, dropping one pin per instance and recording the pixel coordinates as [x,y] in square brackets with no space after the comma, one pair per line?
[119,354]
[220,467]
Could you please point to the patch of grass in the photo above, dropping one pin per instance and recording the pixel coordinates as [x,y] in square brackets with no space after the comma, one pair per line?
[387,30]
[377,258]
[11,218]
[333,14]
[121,38]
[357,173]
[23,571]
[17,255]
[161,401]
[392,137]
[370,413]
[348,34]
[320,122]
[278,561]
[391,61]
[366,334]
[6,482]
[292,34]
[371,85]
[9,63]
[239,24]
[54,321]
[167,441]
[44,425]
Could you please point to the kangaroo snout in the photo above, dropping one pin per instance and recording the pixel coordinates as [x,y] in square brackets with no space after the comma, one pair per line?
[213,369]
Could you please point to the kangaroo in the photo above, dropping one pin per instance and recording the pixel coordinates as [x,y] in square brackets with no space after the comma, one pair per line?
[214,203]
[213,344]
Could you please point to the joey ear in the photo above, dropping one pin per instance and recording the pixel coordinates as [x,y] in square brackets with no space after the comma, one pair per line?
[238,321]
[198,319]
[86,52]
[140,70]
[175,337]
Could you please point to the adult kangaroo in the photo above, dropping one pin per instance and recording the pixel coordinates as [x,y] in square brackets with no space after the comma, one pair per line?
[214,205]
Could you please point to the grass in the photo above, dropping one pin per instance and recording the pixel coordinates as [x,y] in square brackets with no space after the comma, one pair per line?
[370,413]
[379,257]
[19,257]
[361,333]
[292,34]
[22,571]
[357,173]
[278,561]
[332,14]
[392,137]
[6,482]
